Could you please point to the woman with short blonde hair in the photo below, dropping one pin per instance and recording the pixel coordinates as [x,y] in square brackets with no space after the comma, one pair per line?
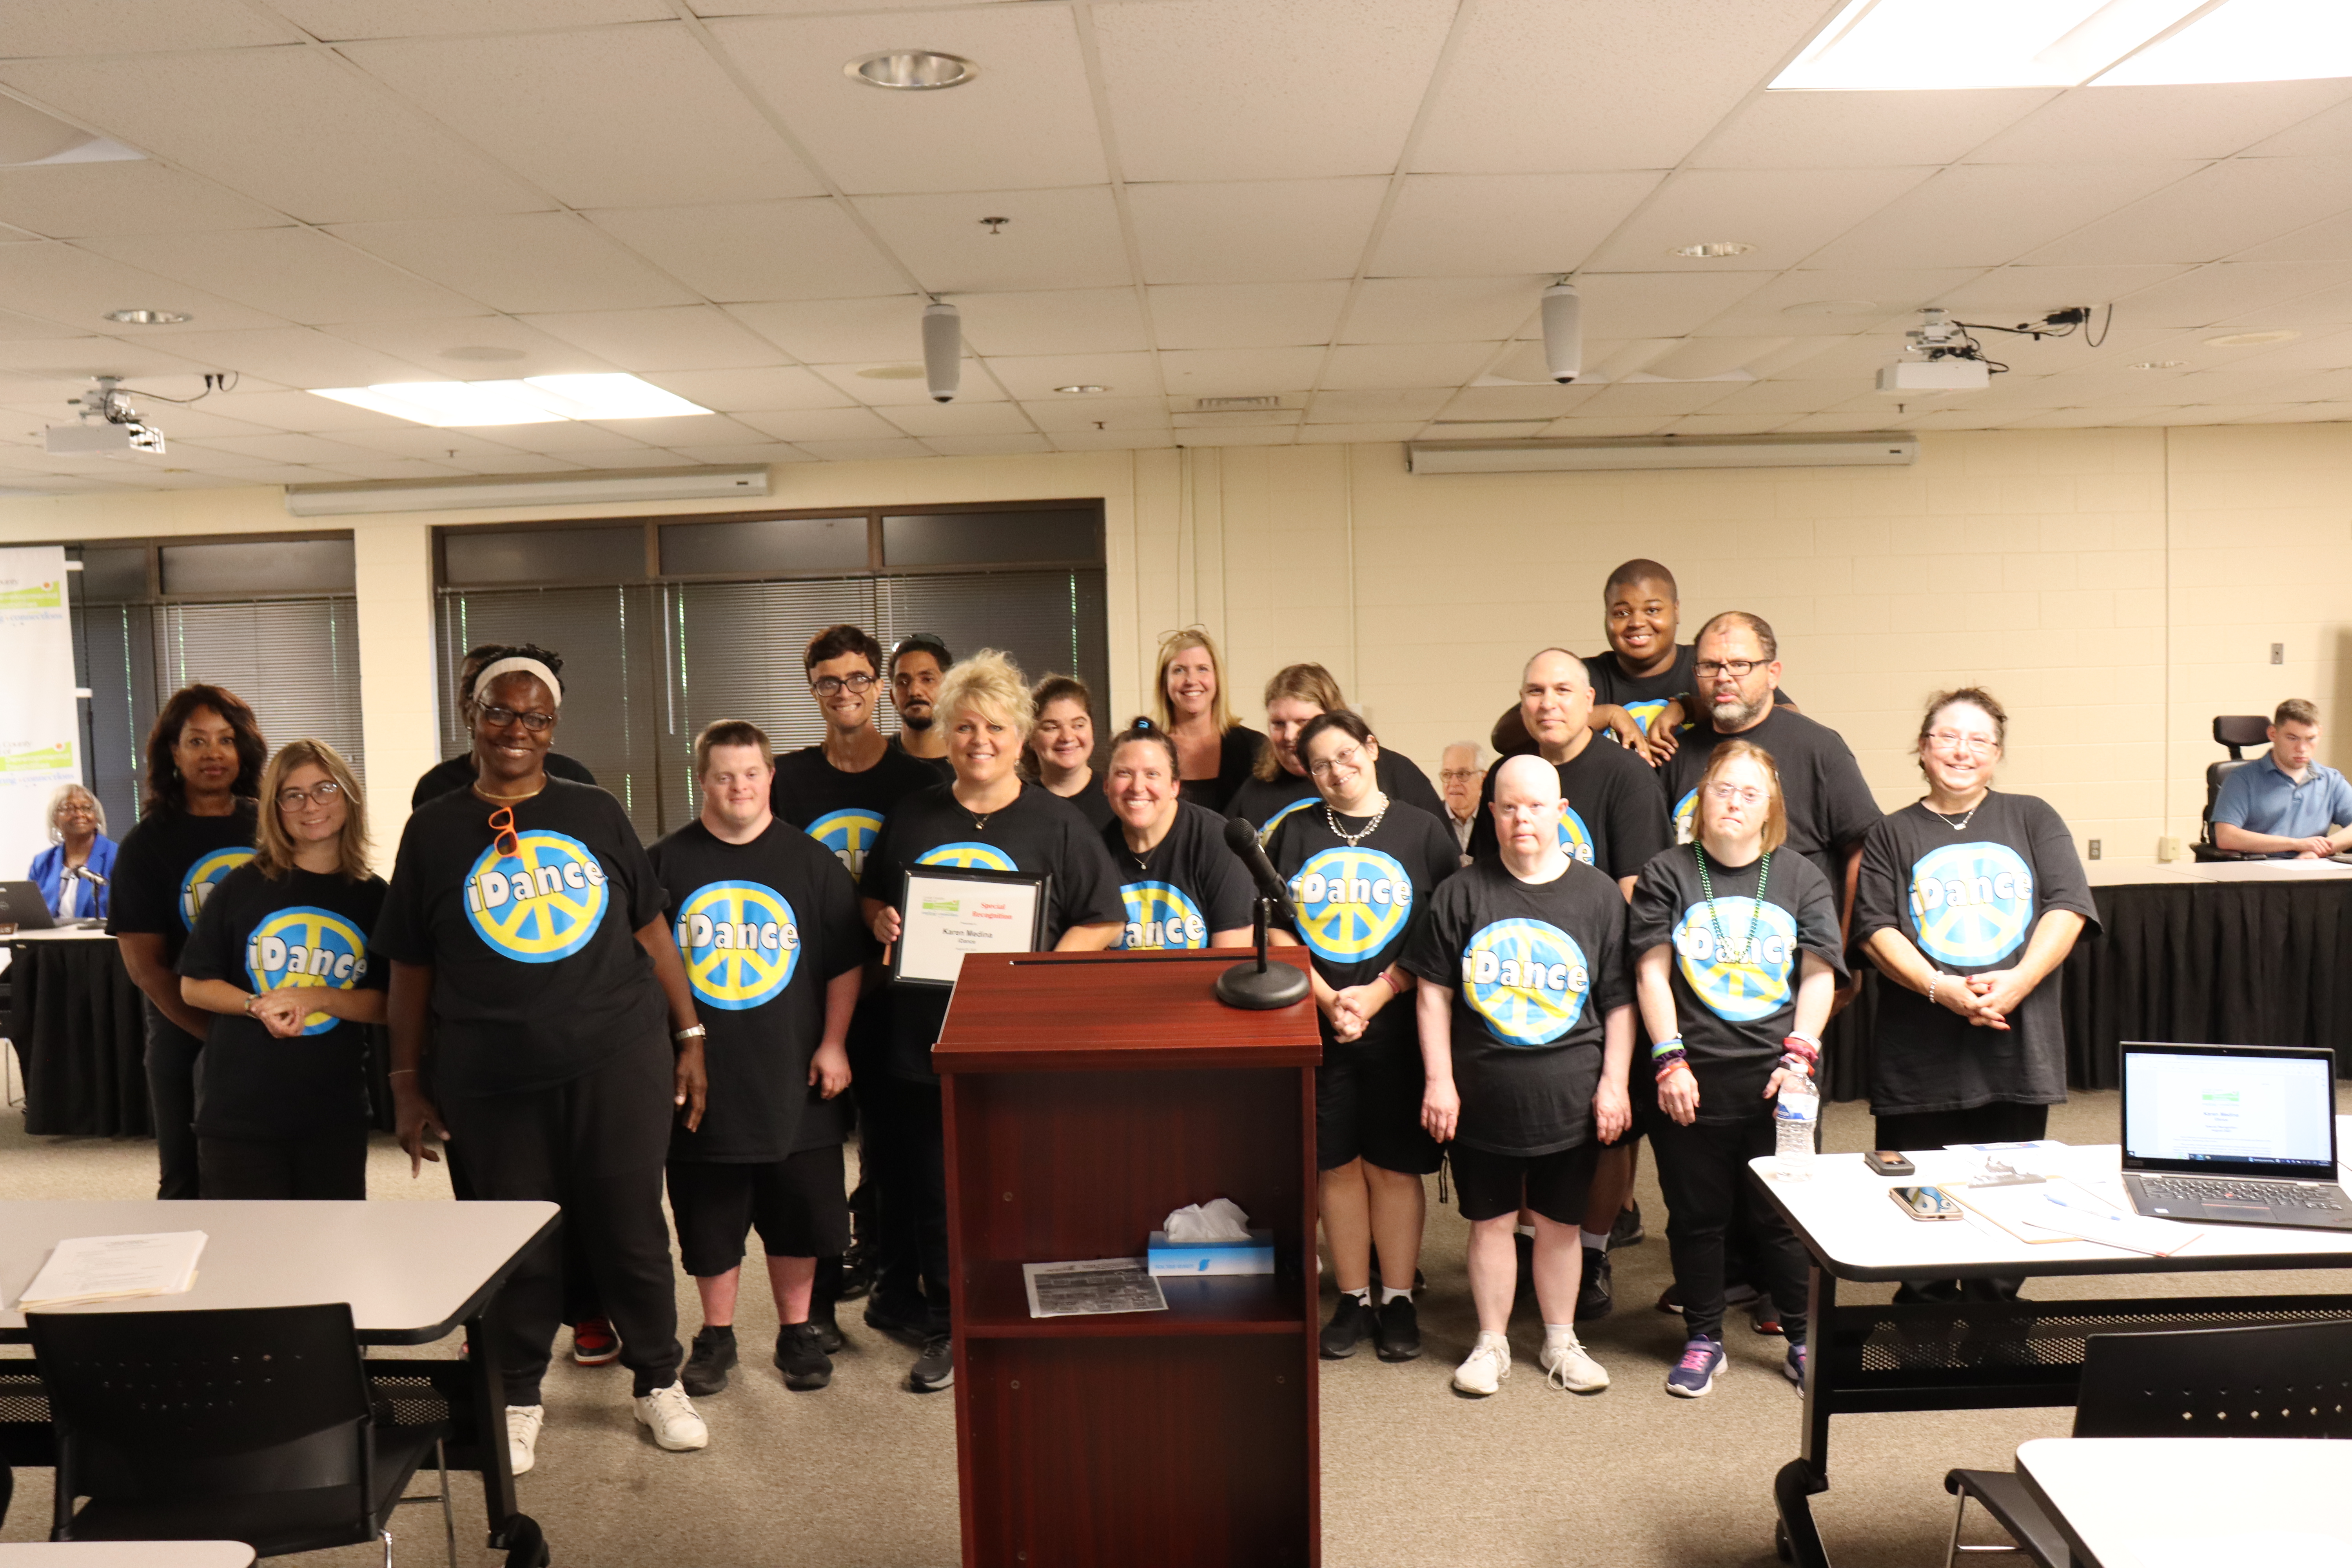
[1213,753]
[1295,697]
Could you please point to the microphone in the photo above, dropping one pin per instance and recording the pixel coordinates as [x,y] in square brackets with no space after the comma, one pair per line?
[1240,837]
[87,875]
[1258,986]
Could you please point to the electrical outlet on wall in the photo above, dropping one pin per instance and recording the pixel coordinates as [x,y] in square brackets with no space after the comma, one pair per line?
[2167,848]
[2278,653]
[2095,849]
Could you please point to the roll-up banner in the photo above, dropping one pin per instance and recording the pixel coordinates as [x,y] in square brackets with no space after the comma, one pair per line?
[40,727]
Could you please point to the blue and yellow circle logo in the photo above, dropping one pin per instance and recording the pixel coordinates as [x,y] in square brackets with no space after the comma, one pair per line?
[541,903]
[204,876]
[968,855]
[1645,713]
[1686,816]
[1160,915]
[1574,836]
[1528,979]
[739,942]
[306,946]
[1758,985]
[1265,831]
[849,834]
[1351,903]
[1973,903]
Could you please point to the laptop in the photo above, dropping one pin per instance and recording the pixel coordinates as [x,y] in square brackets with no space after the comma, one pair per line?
[2233,1135]
[21,905]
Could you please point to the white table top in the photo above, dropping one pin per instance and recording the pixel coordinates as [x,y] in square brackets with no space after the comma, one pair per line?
[127,1555]
[1847,1221]
[2190,1502]
[409,1270]
[60,933]
[2133,873]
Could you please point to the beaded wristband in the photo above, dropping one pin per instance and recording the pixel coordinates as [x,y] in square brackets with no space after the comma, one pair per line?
[1803,1052]
[1667,1047]
[1668,1066]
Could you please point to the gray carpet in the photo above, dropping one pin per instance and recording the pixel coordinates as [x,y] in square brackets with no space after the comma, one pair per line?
[863,1473]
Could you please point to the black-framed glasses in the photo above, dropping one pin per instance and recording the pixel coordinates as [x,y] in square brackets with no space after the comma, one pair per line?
[1737,669]
[324,793]
[502,824]
[537,723]
[832,685]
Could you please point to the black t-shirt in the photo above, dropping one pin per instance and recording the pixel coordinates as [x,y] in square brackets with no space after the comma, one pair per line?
[1735,994]
[764,927]
[259,935]
[1615,819]
[1968,899]
[1830,808]
[1265,803]
[169,865]
[942,770]
[1189,887]
[1039,832]
[1237,751]
[1534,969]
[844,811]
[1358,908]
[1093,805]
[457,773]
[1645,695]
[537,975]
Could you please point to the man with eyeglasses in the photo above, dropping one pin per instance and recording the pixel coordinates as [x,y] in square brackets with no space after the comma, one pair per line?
[918,662]
[457,772]
[1458,773]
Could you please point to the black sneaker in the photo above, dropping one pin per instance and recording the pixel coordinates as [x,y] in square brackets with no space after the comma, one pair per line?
[856,1272]
[935,1368]
[801,1357]
[708,1364]
[1350,1325]
[1398,1329]
[909,1327]
[1594,1298]
[1627,1231]
[828,1329]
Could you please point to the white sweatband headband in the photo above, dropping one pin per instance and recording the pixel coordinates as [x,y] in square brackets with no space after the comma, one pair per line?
[516,665]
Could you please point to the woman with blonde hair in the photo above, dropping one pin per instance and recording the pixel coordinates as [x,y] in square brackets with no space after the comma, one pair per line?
[279,960]
[1278,785]
[1213,750]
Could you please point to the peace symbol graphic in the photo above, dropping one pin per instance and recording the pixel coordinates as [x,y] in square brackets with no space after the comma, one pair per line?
[1972,902]
[740,944]
[204,876]
[848,833]
[968,855]
[1754,987]
[306,946]
[1351,903]
[1160,915]
[551,904]
[1508,973]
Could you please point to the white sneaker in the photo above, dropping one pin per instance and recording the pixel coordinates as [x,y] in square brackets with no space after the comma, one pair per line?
[1567,1366]
[671,1415]
[1488,1365]
[523,1422]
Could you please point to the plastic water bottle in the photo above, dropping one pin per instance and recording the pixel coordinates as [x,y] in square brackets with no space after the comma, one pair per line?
[1796,1114]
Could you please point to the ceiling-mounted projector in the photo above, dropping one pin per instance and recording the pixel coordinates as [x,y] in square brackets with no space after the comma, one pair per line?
[109,426]
[1916,377]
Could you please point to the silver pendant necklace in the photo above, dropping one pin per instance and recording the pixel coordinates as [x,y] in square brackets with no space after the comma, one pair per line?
[1332,822]
[1962,825]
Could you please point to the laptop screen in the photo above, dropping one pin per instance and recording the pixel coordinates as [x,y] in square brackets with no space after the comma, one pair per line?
[2241,1111]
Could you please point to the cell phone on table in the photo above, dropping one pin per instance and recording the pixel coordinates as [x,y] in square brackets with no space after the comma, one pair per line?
[1925,1203]
[1888,1162]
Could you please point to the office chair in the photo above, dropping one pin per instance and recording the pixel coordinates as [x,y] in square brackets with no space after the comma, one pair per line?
[251,1423]
[2286,1380]
[2237,732]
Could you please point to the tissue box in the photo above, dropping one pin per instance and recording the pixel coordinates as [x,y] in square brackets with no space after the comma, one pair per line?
[1254,1255]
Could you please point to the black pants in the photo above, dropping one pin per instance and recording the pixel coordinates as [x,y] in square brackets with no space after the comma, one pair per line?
[2000,1123]
[331,1165]
[596,1145]
[912,1166]
[174,1057]
[1703,1171]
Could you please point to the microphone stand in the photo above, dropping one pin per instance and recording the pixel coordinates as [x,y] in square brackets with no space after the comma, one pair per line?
[1258,986]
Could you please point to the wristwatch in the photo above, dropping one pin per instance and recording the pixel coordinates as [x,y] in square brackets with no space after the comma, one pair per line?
[696,1033]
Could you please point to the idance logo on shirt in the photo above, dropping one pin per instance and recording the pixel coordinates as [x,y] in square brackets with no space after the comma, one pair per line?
[1266,829]
[1645,713]
[848,833]
[1351,903]
[203,877]
[968,855]
[1972,902]
[1528,979]
[1574,836]
[1160,915]
[541,903]
[1685,817]
[1758,985]
[740,944]
[306,946]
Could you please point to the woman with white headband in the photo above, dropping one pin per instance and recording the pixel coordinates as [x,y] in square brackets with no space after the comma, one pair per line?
[528,941]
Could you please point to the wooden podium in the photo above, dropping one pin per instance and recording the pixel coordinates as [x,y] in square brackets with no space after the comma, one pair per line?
[1086,1096]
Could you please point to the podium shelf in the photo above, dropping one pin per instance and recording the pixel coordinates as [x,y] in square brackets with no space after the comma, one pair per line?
[997,1307]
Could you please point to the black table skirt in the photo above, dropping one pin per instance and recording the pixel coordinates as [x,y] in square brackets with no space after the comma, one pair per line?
[2238,964]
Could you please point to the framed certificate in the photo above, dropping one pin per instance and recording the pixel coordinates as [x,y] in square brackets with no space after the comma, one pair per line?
[946,911]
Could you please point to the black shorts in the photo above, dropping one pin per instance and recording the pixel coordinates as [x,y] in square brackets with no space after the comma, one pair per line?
[799,1206]
[1488,1187]
[1368,1106]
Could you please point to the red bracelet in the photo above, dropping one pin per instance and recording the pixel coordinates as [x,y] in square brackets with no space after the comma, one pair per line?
[1394,989]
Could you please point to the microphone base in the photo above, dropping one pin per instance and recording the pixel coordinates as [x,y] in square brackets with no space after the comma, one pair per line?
[1262,990]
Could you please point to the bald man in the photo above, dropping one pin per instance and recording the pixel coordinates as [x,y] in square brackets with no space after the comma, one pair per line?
[1525,1007]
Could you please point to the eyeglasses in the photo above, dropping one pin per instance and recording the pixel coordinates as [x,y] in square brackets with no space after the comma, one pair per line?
[77,808]
[323,793]
[1953,741]
[1353,757]
[502,824]
[537,723]
[1737,669]
[831,685]
[1458,776]
[1746,794]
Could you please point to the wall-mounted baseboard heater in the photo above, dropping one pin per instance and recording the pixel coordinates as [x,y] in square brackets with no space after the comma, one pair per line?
[1594,454]
[746,481]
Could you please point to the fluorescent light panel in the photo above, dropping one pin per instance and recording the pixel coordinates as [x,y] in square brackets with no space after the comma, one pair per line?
[534,400]
[1878,46]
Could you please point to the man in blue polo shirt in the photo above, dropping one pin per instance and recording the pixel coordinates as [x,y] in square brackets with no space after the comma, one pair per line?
[2285,802]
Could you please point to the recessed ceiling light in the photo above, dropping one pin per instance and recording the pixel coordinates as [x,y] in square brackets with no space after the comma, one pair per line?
[1830,307]
[1713,249]
[149,318]
[482,353]
[892,372]
[1081,389]
[911,70]
[2158,364]
[2249,340]
[534,400]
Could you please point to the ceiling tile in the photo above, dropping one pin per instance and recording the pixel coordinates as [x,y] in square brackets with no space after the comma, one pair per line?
[133,26]
[1378,407]
[1784,397]
[297,274]
[1658,304]
[291,448]
[292,127]
[69,362]
[2229,291]
[1061,322]
[1240,372]
[2093,124]
[1515,402]
[683,431]
[1786,213]
[1406,364]
[2215,213]
[301,411]
[753,452]
[1026,120]
[1368,435]
[1441,310]
[987,446]
[591,444]
[1862,130]
[1606,429]
[933,420]
[2331,307]
[337,19]
[842,331]
[1036,376]
[1984,215]
[634,457]
[2015,294]
[691,337]
[1538,87]
[1204,91]
[1268,231]
[1644,399]
[2329,131]
[759,250]
[735,391]
[1446,224]
[1056,414]
[1720,424]
[1245,315]
[67,283]
[1280,436]
[71,201]
[297,356]
[459,448]
[527,261]
[1111,440]
[475,348]
[901,386]
[867,451]
[626,116]
[2327,240]
[1052,239]
[802,425]
[1864,297]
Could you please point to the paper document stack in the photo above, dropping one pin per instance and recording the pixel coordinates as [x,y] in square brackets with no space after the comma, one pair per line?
[115,1268]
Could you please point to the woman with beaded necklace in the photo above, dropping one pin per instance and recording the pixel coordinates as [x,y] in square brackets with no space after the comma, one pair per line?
[1736,953]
